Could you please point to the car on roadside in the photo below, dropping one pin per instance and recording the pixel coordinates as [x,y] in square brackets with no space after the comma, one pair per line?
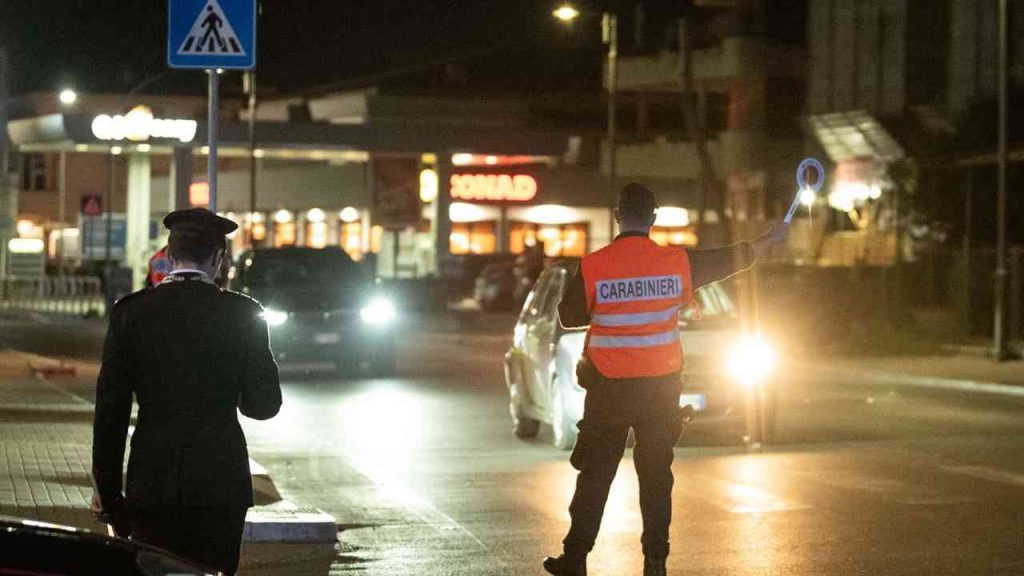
[727,374]
[321,306]
[39,549]
[495,287]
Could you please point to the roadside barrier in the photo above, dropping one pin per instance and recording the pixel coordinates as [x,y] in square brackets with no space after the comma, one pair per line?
[74,295]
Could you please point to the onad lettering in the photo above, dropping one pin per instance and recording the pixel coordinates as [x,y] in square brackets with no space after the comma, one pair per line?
[493,187]
[639,289]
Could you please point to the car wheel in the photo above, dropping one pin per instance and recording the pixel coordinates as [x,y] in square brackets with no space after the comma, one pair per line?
[563,429]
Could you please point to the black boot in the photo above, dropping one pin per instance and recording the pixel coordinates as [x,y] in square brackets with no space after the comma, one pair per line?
[566,565]
[654,566]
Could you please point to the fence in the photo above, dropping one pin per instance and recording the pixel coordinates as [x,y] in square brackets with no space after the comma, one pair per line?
[78,295]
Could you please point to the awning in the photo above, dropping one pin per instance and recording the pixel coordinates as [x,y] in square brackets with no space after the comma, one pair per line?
[856,134]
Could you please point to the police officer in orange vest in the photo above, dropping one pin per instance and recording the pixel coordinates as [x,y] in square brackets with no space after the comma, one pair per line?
[629,294]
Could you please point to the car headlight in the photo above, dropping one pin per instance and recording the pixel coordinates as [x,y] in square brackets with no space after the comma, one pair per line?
[378,312]
[751,360]
[274,318]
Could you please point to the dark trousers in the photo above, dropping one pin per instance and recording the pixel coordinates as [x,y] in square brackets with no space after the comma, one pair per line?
[650,407]
[210,537]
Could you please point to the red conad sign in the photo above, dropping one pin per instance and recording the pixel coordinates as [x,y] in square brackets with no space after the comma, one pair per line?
[493,187]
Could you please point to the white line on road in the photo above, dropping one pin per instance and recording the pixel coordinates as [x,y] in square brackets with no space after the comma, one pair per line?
[988,473]
[910,381]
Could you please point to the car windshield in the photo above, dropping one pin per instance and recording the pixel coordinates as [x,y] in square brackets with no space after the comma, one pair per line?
[305,279]
[711,302]
[298,268]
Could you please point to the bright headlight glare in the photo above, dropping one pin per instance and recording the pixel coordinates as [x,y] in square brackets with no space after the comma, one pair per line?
[751,360]
[378,312]
[274,317]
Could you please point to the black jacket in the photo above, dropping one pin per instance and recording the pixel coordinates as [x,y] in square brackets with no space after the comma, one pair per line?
[191,354]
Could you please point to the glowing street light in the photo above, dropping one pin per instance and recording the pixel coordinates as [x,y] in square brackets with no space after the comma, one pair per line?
[807,197]
[566,13]
[68,97]
[610,36]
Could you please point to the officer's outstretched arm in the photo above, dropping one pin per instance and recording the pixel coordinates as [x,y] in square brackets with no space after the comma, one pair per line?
[261,385]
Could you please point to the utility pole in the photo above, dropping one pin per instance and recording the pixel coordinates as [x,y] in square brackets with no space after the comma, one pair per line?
[697,128]
[7,204]
[250,80]
[1000,350]
[610,33]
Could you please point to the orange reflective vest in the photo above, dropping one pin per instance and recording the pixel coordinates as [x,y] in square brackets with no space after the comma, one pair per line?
[634,290]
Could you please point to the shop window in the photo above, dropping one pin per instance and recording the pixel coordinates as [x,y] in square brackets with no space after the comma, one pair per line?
[351,239]
[474,238]
[560,240]
[316,234]
[258,228]
[284,234]
[34,175]
[674,235]
[376,239]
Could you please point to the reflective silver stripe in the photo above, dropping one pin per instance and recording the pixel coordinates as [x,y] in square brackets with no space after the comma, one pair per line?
[638,319]
[635,341]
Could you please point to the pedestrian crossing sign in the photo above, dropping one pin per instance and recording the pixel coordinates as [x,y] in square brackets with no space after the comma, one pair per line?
[211,34]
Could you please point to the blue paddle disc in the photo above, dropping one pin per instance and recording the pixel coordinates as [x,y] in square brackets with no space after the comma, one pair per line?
[801,174]
[801,183]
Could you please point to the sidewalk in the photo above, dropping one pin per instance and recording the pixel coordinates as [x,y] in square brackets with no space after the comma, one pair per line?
[45,463]
[45,447]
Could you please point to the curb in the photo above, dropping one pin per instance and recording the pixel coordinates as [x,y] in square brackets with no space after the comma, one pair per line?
[286,522]
[263,488]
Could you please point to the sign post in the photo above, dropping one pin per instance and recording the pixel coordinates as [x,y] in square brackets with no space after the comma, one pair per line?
[212,35]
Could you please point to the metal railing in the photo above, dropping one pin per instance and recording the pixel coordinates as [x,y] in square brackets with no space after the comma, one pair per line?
[77,295]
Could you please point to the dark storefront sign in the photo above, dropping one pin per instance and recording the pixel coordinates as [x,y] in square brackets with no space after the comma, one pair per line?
[396,191]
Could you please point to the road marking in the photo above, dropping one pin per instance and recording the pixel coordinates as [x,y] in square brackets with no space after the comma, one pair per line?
[988,473]
[907,380]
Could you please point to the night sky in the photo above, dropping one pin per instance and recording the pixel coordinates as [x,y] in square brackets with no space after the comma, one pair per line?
[112,45]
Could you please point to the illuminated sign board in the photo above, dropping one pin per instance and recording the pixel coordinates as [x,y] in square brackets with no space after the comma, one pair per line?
[498,188]
[139,125]
[26,245]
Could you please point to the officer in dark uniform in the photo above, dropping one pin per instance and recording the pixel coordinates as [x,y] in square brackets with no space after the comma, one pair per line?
[193,355]
[629,295]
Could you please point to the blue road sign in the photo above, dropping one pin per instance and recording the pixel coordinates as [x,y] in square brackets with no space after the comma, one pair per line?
[211,34]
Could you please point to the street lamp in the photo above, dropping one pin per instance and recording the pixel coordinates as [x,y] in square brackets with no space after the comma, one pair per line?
[566,13]
[610,36]
[68,96]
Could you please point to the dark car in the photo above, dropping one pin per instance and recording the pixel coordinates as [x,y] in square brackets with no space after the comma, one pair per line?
[321,306]
[39,549]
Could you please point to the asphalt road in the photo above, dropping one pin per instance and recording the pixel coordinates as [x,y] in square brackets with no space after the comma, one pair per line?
[424,475]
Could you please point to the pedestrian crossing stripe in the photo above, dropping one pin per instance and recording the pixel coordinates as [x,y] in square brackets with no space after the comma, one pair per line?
[211,34]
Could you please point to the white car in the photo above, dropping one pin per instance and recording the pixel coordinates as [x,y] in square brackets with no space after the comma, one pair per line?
[724,371]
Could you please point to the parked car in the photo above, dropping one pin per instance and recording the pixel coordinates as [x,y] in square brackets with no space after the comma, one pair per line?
[723,368]
[321,306]
[41,549]
[495,287]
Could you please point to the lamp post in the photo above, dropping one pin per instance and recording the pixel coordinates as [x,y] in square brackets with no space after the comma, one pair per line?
[67,98]
[1000,350]
[610,36]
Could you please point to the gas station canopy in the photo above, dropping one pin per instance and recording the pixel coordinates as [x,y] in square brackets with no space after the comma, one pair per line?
[298,140]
